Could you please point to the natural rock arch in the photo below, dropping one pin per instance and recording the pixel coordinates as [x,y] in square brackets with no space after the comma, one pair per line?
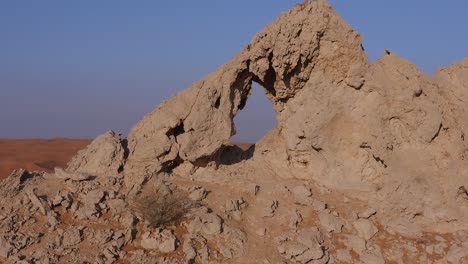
[362,128]
[197,122]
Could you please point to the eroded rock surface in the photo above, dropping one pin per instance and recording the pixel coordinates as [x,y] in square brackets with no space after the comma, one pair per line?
[366,165]
[105,155]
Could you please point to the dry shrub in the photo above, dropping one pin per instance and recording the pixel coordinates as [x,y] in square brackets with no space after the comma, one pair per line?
[163,210]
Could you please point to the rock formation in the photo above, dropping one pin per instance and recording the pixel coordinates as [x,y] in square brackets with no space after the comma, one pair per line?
[366,165]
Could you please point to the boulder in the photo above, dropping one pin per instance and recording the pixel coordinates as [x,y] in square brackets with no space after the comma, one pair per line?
[162,240]
[365,228]
[104,156]
[206,224]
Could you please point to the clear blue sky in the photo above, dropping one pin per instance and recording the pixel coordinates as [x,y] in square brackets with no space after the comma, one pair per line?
[79,68]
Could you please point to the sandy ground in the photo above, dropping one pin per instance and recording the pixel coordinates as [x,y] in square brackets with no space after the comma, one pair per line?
[37,154]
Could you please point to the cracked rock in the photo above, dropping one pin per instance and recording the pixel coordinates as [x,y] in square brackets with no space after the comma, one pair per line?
[206,224]
[330,222]
[306,247]
[365,228]
[162,240]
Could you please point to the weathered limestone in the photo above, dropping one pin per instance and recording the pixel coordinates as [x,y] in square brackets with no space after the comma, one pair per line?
[370,152]
[302,43]
[350,124]
[104,156]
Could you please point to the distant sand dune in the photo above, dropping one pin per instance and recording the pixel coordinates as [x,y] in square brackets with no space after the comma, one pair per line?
[37,154]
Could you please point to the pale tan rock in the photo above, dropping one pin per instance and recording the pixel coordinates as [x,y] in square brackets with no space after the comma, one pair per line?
[196,122]
[456,253]
[72,237]
[104,156]
[372,257]
[343,121]
[232,244]
[358,134]
[383,131]
[5,248]
[344,256]
[197,193]
[330,222]
[206,224]
[42,205]
[162,240]
[74,176]
[367,213]
[365,228]
[355,243]
[305,247]
[302,195]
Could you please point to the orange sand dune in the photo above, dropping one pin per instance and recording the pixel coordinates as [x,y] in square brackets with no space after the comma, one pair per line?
[37,154]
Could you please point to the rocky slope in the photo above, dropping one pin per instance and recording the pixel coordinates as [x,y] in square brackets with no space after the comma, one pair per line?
[366,165]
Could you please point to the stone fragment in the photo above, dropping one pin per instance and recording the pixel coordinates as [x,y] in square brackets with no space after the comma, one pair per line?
[367,213]
[372,257]
[234,207]
[197,193]
[93,197]
[301,191]
[302,195]
[71,237]
[330,222]
[343,256]
[73,176]
[295,220]
[261,231]
[103,236]
[37,202]
[270,208]
[305,247]
[365,228]
[206,224]
[128,220]
[456,253]
[310,237]
[117,206]
[232,243]
[162,240]
[5,247]
[195,248]
[357,244]
[104,156]
[318,205]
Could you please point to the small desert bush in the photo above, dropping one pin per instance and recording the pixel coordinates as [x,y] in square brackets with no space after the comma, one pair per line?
[162,210]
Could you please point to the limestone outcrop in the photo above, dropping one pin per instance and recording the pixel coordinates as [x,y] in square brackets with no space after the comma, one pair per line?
[366,165]
[105,155]
[308,42]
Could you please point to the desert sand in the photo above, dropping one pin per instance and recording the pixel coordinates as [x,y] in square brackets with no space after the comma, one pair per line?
[37,154]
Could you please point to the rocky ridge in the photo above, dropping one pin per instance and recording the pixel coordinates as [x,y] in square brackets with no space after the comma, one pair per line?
[366,165]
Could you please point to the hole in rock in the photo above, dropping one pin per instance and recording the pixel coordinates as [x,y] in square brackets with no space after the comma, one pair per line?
[218,102]
[176,131]
[255,119]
